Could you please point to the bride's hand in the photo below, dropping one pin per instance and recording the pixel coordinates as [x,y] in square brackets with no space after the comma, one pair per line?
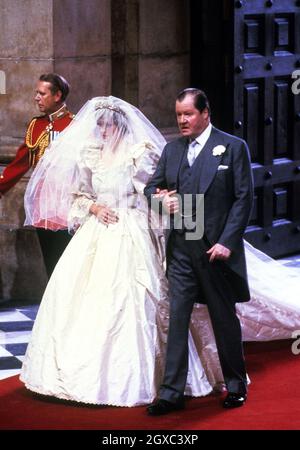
[104,214]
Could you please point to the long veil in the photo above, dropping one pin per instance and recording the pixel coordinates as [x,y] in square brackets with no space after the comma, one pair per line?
[48,194]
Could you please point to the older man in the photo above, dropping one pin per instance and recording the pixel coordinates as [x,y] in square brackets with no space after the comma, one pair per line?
[210,268]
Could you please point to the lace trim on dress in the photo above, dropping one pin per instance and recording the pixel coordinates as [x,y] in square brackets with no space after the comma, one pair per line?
[80,210]
[43,391]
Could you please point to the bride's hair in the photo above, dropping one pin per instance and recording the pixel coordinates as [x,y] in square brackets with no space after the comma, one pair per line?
[112,123]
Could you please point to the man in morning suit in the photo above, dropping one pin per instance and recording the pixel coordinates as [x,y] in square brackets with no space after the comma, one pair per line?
[51,93]
[210,269]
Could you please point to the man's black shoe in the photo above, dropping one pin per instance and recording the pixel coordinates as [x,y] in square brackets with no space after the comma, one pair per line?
[162,406]
[234,400]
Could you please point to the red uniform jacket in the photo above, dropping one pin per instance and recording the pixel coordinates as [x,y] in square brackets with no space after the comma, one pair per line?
[41,130]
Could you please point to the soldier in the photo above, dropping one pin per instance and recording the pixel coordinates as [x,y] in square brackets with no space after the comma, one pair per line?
[51,93]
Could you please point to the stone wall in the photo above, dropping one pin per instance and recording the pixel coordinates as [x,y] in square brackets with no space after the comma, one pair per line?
[134,49]
[150,55]
[82,47]
[164,58]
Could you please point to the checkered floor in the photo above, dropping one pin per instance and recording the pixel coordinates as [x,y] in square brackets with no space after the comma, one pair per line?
[15,329]
[16,322]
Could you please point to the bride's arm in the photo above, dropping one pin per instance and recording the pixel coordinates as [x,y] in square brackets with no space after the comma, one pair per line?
[83,197]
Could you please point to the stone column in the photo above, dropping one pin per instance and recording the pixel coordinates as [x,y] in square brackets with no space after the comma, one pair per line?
[70,37]
[164,64]
[125,23]
[134,49]
[150,56]
[82,47]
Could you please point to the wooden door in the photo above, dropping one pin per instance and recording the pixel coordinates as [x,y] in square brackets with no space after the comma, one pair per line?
[257,51]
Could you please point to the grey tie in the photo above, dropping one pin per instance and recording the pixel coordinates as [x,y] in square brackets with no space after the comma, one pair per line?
[191,154]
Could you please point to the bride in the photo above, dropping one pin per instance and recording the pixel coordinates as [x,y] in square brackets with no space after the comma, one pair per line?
[100,333]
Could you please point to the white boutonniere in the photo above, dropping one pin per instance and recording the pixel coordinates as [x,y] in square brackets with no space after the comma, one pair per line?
[218,150]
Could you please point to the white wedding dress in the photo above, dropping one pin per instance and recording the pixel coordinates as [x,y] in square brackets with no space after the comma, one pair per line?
[100,333]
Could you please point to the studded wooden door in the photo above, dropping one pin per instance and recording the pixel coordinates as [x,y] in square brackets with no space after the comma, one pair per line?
[244,54]
[267,115]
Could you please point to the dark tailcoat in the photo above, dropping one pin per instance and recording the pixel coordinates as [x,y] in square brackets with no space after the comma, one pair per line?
[228,195]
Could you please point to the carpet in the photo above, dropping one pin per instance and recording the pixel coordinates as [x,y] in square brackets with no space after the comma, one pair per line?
[273,403]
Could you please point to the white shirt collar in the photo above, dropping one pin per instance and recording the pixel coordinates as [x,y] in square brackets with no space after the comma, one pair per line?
[203,138]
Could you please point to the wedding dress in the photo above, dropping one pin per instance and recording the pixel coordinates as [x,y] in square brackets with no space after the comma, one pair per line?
[101,329]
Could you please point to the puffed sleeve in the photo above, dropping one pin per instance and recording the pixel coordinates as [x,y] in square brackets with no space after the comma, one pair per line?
[83,195]
[145,158]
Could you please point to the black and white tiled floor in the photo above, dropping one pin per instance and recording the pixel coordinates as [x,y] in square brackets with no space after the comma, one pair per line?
[15,329]
[16,323]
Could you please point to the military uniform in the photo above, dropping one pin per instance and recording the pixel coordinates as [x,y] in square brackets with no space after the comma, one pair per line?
[40,132]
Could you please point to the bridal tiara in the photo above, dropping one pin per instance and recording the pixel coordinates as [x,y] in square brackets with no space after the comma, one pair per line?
[110,106]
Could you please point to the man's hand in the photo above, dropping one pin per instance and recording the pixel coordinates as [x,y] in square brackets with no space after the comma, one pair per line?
[218,251]
[170,202]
